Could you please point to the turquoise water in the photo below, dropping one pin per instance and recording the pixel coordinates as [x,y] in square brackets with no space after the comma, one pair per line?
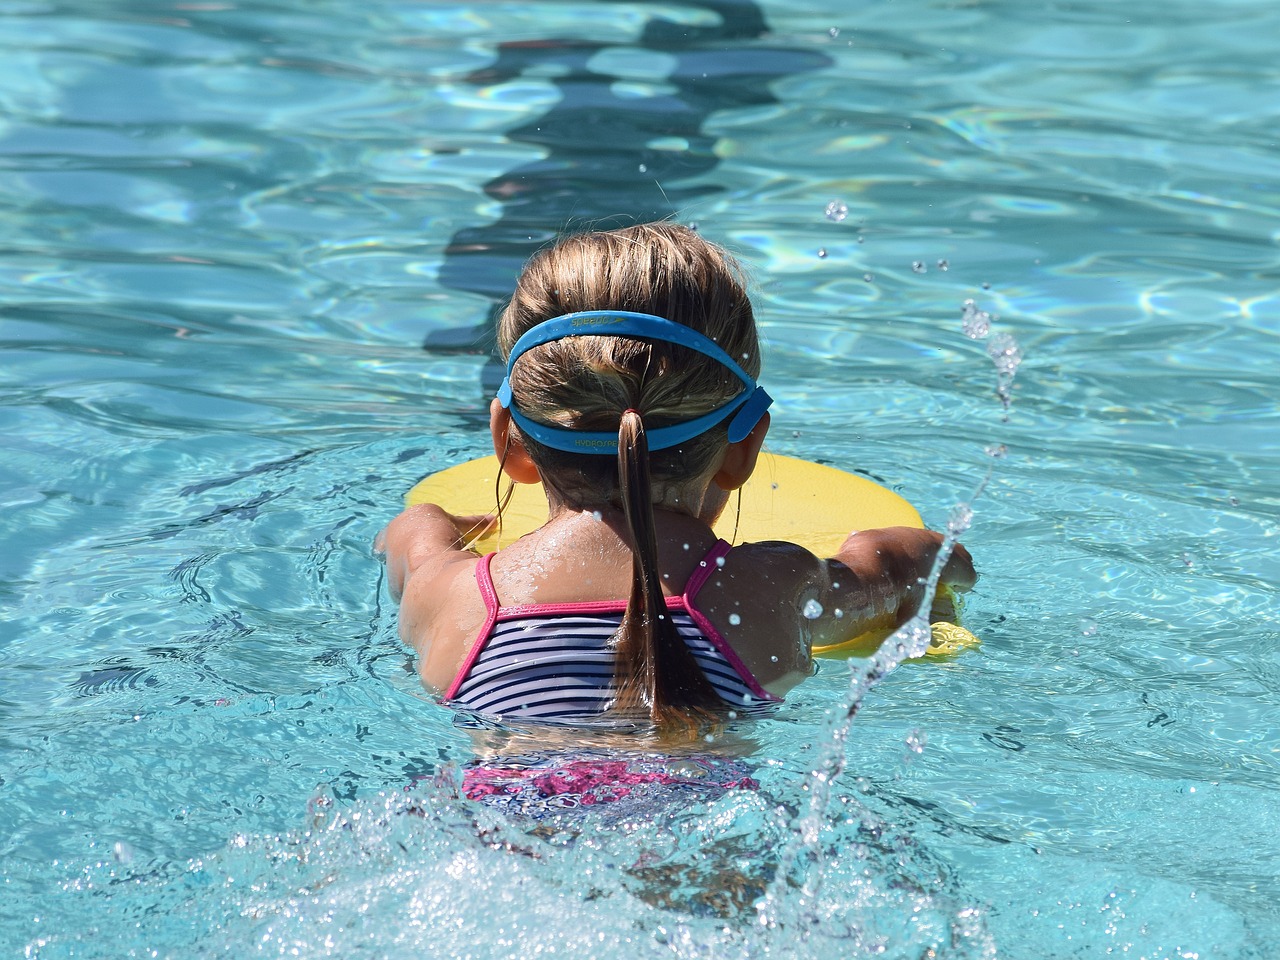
[249,252]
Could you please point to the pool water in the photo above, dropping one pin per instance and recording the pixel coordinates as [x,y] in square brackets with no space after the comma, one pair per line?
[252,251]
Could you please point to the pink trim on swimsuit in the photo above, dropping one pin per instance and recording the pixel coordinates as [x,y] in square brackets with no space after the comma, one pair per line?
[484,580]
[695,584]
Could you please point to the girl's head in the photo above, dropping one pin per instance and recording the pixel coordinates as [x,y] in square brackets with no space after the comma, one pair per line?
[586,382]
[630,387]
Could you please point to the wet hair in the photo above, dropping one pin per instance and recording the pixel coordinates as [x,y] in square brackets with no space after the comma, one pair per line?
[631,385]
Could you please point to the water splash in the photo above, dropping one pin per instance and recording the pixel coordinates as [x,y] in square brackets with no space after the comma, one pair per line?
[794,899]
[1002,348]
[1005,353]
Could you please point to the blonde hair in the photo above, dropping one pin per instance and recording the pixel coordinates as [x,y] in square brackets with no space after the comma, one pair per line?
[632,385]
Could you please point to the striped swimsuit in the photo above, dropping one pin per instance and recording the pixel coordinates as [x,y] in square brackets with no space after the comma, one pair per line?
[554,662]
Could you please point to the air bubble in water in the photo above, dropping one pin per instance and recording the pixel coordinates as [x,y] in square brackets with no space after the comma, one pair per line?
[644,168]
[1088,627]
[833,32]
[812,609]
[822,253]
[734,619]
[997,451]
[869,277]
[837,210]
[916,741]
[944,265]
[975,322]
[918,266]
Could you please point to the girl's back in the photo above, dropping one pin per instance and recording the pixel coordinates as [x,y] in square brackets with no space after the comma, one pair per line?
[631,395]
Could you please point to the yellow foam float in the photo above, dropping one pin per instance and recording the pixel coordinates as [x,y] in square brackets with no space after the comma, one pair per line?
[786,498]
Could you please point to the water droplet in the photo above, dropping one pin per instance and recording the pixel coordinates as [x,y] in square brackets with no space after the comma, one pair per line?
[812,609]
[1234,501]
[686,546]
[644,168]
[961,517]
[833,32]
[597,514]
[719,561]
[734,620]
[916,741]
[1005,353]
[837,210]
[1088,627]
[773,486]
[944,265]
[1189,559]
[917,266]
[975,322]
[773,659]
[986,285]
[822,253]
[869,277]
[702,563]
[838,613]
[997,451]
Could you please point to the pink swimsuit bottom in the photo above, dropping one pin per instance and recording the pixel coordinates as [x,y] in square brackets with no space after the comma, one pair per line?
[537,786]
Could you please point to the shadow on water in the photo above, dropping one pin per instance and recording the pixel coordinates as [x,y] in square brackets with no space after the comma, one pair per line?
[613,156]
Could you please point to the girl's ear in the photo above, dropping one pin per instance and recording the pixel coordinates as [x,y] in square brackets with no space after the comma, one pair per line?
[515,459]
[740,458]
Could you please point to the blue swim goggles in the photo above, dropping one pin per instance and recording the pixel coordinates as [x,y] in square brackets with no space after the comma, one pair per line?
[750,404]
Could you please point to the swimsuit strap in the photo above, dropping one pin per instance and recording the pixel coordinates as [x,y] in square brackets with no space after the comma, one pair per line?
[484,580]
[710,563]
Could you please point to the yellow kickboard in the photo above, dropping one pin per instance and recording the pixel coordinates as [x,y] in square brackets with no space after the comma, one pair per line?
[786,498]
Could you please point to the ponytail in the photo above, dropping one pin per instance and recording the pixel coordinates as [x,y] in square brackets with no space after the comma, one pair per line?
[655,672]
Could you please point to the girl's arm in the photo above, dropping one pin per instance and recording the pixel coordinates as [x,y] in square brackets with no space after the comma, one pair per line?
[423,539]
[877,580]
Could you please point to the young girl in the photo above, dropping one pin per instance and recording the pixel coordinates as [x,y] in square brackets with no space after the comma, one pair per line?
[630,393]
